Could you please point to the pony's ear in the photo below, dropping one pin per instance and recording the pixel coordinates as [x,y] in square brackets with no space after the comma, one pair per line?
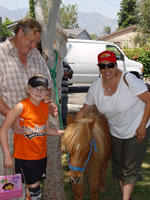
[70,119]
[91,124]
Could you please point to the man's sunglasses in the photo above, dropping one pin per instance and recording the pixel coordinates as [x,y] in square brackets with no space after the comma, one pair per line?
[109,65]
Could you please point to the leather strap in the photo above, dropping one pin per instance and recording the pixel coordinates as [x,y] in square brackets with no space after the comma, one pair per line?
[125,79]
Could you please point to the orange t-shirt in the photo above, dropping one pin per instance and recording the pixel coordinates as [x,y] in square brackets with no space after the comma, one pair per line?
[33,144]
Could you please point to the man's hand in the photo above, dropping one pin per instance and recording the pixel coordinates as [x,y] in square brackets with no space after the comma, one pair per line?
[52,108]
[16,126]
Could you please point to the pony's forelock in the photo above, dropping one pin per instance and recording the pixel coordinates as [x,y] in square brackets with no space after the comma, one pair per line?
[77,132]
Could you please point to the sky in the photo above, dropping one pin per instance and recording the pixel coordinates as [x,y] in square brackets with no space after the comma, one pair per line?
[108,8]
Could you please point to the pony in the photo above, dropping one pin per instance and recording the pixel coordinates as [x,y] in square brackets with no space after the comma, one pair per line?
[87,141]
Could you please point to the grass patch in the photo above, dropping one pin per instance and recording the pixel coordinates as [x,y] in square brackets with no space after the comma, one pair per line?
[141,191]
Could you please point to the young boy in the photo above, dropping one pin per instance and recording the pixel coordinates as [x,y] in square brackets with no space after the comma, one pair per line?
[30,148]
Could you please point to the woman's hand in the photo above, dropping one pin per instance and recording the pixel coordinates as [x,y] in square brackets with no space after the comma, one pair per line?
[140,133]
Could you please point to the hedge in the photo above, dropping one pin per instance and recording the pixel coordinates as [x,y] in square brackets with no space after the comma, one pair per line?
[141,55]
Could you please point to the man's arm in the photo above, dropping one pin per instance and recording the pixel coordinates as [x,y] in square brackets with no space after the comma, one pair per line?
[52,107]
[4,110]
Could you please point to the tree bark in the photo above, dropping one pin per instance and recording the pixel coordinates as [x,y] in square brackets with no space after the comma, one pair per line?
[53,184]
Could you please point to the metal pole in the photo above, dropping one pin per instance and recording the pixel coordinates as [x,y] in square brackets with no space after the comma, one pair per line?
[0,29]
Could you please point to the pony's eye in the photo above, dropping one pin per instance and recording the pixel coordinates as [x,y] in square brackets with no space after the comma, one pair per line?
[87,148]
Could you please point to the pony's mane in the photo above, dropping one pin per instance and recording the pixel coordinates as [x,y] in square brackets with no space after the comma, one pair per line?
[79,132]
[75,133]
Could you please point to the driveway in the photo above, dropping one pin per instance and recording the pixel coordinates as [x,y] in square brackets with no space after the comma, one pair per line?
[76,97]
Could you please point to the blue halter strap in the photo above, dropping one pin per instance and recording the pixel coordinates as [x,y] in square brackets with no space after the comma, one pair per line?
[81,169]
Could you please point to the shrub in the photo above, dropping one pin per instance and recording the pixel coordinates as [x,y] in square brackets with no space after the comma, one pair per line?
[141,55]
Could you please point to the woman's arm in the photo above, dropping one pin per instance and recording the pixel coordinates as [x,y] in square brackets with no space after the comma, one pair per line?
[141,130]
[83,111]
[10,118]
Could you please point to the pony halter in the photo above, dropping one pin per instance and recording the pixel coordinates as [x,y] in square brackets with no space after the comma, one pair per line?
[81,169]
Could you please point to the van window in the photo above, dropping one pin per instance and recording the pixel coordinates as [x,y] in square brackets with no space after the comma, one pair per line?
[115,50]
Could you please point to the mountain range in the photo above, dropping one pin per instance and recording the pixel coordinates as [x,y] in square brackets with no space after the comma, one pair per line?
[13,15]
[93,22]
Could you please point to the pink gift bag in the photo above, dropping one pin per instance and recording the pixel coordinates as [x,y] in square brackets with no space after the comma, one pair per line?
[10,186]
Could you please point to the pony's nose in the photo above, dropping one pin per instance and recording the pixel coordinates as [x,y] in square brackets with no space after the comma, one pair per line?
[75,181]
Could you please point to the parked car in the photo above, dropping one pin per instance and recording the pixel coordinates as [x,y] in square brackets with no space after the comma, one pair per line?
[82,57]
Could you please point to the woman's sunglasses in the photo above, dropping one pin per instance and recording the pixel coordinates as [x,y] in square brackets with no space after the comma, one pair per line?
[109,65]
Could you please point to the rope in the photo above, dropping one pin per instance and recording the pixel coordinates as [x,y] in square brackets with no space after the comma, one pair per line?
[53,75]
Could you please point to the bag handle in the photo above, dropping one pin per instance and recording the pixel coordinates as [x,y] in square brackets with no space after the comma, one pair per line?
[5,171]
[125,79]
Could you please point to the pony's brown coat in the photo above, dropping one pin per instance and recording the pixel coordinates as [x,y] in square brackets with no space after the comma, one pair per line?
[77,139]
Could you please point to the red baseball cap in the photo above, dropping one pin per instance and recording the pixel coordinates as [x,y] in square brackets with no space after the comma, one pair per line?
[108,56]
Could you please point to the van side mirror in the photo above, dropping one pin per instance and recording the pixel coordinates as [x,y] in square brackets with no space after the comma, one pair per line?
[122,57]
[117,57]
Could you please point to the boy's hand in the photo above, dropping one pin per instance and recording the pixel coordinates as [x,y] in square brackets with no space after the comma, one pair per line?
[8,163]
[61,132]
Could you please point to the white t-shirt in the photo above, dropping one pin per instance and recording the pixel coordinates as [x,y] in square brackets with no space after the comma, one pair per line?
[123,110]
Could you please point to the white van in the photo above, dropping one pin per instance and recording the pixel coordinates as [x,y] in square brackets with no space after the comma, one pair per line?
[82,57]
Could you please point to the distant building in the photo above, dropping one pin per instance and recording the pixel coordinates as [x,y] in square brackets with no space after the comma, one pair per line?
[77,34]
[124,38]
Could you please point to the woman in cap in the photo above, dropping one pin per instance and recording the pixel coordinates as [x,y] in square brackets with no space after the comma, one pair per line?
[125,101]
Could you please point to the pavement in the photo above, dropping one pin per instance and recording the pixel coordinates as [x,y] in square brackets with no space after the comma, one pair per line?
[73,108]
[75,101]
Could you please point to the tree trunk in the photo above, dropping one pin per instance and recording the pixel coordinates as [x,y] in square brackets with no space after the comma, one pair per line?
[53,184]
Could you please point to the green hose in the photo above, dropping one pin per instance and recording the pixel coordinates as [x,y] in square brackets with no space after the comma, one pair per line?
[53,76]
